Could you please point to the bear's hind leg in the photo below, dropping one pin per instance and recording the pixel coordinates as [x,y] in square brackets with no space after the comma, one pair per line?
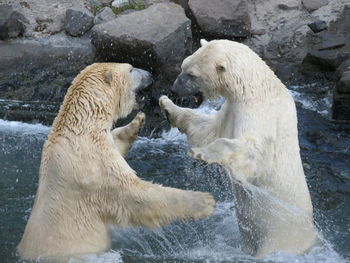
[125,136]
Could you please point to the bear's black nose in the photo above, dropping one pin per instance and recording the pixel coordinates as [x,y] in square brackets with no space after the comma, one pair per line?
[185,85]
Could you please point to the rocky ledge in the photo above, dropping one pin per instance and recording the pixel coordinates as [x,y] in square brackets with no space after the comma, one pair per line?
[44,44]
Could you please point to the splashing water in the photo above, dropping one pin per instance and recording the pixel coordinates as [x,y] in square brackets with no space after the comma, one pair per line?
[161,160]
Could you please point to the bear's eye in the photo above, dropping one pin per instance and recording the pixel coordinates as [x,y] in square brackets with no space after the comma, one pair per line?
[191,75]
[131,69]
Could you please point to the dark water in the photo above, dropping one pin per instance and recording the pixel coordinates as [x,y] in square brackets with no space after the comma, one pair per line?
[325,149]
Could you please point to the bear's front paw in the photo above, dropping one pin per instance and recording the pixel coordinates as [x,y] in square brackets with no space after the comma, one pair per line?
[203,155]
[137,123]
[200,205]
[165,104]
[140,119]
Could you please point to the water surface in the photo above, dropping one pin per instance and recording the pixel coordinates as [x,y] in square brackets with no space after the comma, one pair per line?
[325,152]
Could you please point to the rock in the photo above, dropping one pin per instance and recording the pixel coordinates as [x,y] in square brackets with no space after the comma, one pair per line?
[183,3]
[42,68]
[225,18]
[12,22]
[331,41]
[339,28]
[78,21]
[343,85]
[106,14]
[105,2]
[152,38]
[100,2]
[120,3]
[288,4]
[318,26]
[286,7]
[288,44]
[326,59]
[341,106]
[344,66]
[312,5]
[258,31]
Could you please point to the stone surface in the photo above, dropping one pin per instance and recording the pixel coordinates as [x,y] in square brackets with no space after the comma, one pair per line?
[331,41]
[12,22]
[318,26]
[288,4]
[42,69]
[224,18]
[343,85]
[78,21]
[312,5]
[104,2]
[46,17]
[341,106]
[288,37]
[120,3]
[326,59]
[106,14]
[344,66]
[151,38]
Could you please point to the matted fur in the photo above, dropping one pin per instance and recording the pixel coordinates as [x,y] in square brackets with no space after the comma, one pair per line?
[254,135]
[85,184]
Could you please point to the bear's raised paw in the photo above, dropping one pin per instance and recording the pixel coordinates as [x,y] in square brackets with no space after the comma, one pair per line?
[200,205]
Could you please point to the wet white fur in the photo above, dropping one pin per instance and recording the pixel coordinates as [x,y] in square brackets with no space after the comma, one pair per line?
[85,184]
[254,136]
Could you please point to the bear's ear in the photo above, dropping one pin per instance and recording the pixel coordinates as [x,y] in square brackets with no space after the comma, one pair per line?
[221,66]
[108,77]
[203,42]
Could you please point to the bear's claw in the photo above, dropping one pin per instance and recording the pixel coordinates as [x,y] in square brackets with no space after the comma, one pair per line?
[138,122]
[165,104]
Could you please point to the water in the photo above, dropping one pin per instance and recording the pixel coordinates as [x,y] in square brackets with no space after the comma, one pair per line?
[325,152]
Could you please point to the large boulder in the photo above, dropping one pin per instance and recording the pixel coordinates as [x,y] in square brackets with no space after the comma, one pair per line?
[343,85]
[331,41]
[106,14]
[318,26]
[41,69]
[12,22]
[151,38]
[325,59]
[341,106]
[344,66]
[312,5]
[341,98]
[224,18]
[78,21]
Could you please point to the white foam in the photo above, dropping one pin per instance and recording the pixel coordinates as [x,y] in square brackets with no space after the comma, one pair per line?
[21,127]
[312,101]
[109,257]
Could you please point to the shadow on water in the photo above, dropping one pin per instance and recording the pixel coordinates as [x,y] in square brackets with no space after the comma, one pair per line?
[325,152]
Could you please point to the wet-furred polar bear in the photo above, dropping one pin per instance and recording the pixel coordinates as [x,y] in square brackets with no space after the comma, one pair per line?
[85,184]
[254,136]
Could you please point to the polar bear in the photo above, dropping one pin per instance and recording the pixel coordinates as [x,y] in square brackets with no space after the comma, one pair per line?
[254,136]
[85,184]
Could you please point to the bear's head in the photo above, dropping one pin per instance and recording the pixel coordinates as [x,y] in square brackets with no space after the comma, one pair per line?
[99,95]
[223,68]
[110,85]
[122,82]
